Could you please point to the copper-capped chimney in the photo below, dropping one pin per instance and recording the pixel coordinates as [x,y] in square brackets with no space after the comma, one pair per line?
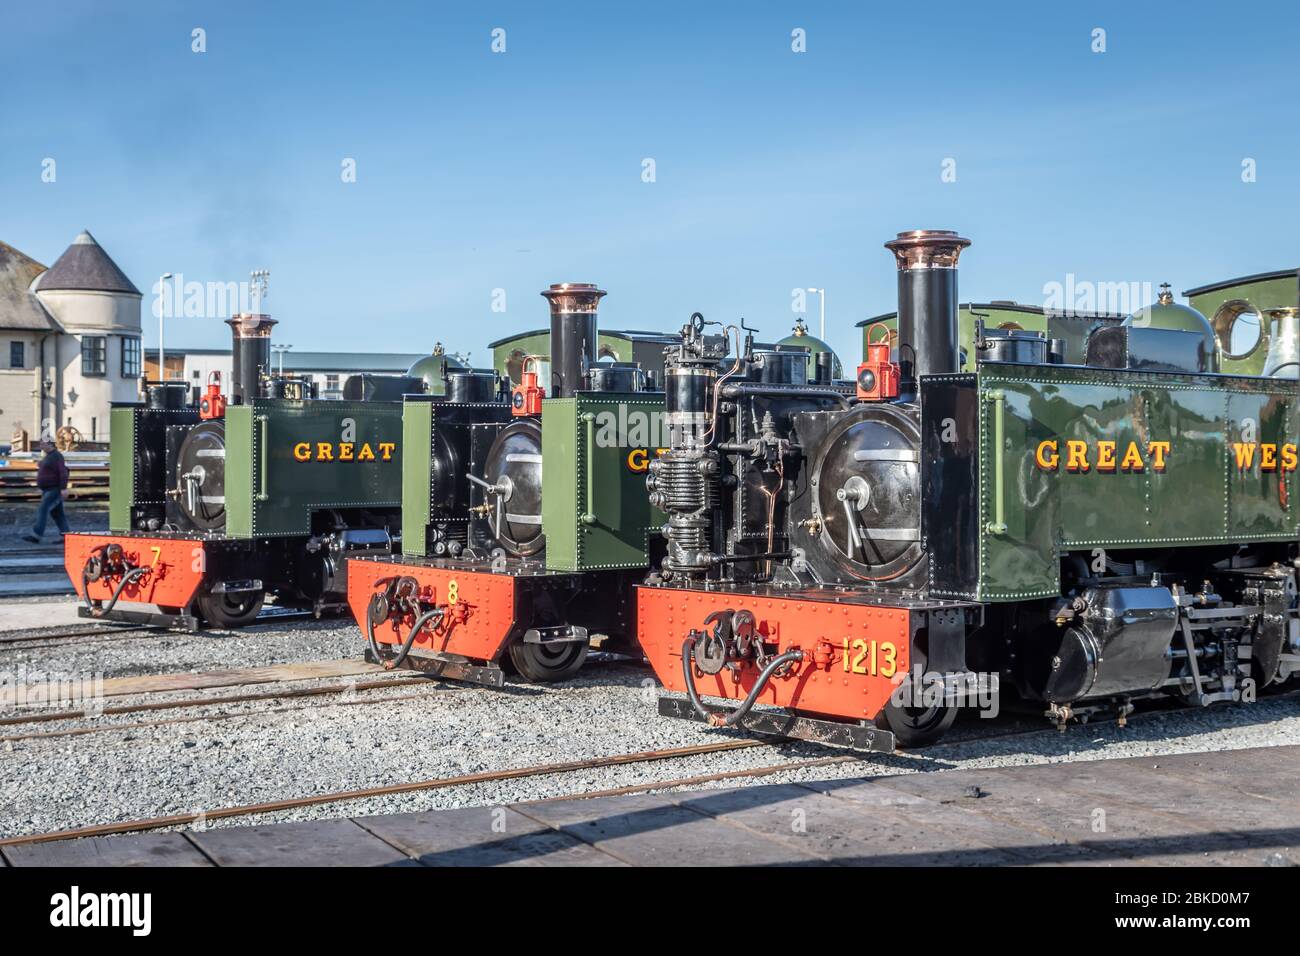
[250,348]
[573,334]
[927,303]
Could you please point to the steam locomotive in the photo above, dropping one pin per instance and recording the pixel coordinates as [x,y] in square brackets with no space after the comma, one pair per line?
[506,564]
[852,565]
[216,502]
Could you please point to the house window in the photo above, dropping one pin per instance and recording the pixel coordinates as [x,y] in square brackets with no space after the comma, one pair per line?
[17,358]
[130,358]
[331,383]
[94,355]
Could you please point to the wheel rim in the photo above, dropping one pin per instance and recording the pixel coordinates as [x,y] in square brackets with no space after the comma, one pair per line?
[234,610]
[236,607]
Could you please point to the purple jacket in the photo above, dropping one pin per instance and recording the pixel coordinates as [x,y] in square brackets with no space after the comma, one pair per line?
[52,473]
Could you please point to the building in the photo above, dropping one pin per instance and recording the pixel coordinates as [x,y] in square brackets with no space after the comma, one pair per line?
[71,342]
[329,370]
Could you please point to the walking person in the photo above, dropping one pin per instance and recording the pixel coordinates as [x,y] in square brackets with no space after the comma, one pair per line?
[52,480]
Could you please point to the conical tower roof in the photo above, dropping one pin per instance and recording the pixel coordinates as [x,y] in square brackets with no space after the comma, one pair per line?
[85,266]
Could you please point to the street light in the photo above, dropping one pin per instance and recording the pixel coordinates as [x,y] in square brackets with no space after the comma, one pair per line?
[281,349]
[822,297]
[162,313]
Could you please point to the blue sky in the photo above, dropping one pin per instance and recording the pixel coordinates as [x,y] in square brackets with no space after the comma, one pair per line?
[774,170]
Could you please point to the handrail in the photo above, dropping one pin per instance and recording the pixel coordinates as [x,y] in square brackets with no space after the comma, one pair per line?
[589,515]
[999,523]
[261,458]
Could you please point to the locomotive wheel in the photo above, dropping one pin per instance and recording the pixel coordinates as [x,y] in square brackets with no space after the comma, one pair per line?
[917,726]
[231,610]
[543,663]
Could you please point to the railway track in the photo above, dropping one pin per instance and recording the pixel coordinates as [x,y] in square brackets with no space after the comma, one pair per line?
[541,770]
[294,803]
[296,693]
[402,678]
[331,693]
[89,632]
[71,638]
[214,718]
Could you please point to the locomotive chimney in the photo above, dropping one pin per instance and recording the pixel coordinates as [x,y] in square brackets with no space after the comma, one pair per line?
[250,348]
[927,303]
[573,334]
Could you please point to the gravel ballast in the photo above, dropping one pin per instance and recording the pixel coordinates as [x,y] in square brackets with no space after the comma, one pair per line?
[276,749]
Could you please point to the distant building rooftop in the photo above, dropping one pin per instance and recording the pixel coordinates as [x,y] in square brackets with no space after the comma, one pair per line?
[317,361]
[19,309]
[349,361]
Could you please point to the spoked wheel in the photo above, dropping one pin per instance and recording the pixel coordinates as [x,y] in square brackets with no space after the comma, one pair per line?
[542,663]
[231,610]
[917,726]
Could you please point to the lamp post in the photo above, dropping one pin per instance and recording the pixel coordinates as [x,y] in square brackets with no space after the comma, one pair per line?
[821,293]
[162,314]
[281,349]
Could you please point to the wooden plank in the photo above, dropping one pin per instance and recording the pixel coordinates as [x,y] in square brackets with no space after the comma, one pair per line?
[654,831]
[149,849]
[306,843]
[276,673]
[482,836]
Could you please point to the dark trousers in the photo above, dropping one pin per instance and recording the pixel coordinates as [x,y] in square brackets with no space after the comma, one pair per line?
[51,507]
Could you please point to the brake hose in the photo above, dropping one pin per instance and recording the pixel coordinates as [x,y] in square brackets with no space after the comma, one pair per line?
[370,636]
[85,577]
[715,718]
[420,621]
[117,592]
